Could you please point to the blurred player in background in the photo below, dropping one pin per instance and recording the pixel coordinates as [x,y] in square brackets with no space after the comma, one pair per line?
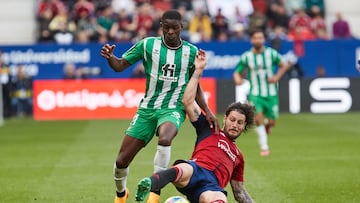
[216,159]
[260,63]
[168,63]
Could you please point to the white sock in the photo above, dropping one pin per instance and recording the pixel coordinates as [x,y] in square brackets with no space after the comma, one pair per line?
[120,177]
[162,158]
[262,137]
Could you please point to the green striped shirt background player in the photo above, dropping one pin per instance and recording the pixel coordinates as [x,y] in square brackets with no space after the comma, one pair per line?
[169,63]
[264,69]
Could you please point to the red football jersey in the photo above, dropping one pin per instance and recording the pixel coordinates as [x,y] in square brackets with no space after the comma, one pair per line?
[217,153]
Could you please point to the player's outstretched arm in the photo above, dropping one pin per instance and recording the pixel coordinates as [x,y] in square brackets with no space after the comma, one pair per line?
[117,64]
[188,100]
[210,116]
[240,193]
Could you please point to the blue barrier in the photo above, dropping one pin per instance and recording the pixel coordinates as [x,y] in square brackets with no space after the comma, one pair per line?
[46,61]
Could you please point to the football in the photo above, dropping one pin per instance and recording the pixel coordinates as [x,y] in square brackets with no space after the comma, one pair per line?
[176,199]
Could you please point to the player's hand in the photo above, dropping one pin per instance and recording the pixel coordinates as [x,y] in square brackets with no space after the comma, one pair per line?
[200,60]
[214,124]
[273,79]
[107,51]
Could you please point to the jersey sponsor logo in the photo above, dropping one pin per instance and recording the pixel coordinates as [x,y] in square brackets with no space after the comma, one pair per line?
[222,144]
[168,73]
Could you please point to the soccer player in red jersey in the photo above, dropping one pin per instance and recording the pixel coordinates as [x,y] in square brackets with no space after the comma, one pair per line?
[216,160]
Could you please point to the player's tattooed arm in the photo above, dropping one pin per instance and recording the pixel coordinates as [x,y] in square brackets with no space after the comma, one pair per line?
[240,193]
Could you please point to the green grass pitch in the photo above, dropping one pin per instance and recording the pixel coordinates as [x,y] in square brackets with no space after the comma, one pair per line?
[314,159]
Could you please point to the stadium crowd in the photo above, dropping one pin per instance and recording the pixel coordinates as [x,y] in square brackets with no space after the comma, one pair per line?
[82,21]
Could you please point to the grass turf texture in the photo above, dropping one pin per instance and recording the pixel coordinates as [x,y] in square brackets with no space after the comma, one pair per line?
[314,158]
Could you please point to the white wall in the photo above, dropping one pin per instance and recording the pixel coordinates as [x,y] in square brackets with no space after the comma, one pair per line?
[17,21]
[349,10]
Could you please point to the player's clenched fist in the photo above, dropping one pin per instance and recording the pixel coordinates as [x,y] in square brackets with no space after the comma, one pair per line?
[107,50]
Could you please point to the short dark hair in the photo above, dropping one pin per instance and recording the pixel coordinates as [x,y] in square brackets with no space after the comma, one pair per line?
[247,109]
[253,32]
[171,15]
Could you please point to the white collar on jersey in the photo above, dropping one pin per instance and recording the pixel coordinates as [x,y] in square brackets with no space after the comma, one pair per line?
[181,43]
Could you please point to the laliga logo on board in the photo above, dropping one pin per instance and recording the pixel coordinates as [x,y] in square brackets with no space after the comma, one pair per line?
[49,100]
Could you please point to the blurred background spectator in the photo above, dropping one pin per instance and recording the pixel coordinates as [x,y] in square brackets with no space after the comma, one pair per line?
[341,27]
[69,21]
[5,81]
[22,93]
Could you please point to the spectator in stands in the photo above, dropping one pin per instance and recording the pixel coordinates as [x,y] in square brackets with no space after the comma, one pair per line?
[86,27]
[318,24]
[163,5]
[187,4]
[200,27]
[63,35]
[5,82]
[61,19]
[155,30]
[258,21]
[144,19]
[309,4]
[120,5]
[83,5]
[22,93]
[292,6]
[70,71]
[238,24]
[277,37]
[261,5]
[239,32]
[219,26]
[105,23]
[73,73]
[341,29]
[277,16]
[185,35]
[300,19]
[320,71]
[300,33]
[44,33]
[124,27]
[54,5]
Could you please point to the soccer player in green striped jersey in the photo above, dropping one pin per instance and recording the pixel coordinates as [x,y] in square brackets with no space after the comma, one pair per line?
[261,63]
[169,64]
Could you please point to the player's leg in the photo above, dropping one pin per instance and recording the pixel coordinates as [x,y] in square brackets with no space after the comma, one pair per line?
[139,133]
[271,112]
[260,127]
[262,135]
[169,122]
[212,197]
[128,150]
[179,175]
[242,91]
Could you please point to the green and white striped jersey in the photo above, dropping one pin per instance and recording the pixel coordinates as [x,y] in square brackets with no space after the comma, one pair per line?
[167,71]
[260,67]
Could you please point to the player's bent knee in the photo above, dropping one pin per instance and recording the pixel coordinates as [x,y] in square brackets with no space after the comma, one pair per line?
[120,163]
[213,197]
